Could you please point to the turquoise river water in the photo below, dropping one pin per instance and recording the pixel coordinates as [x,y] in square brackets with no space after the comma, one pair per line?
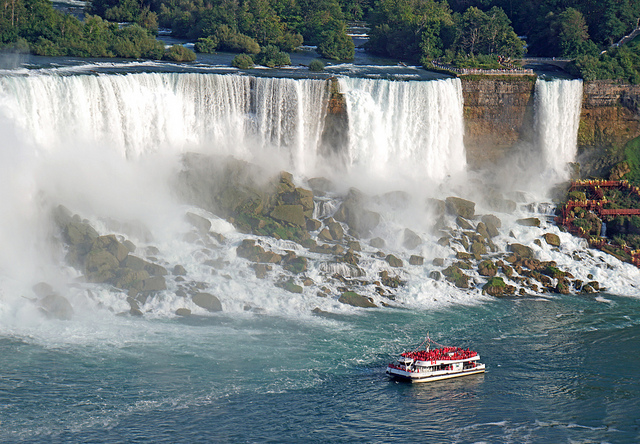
[558,370]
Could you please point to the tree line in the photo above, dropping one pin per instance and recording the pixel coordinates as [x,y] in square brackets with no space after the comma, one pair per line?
[464,33]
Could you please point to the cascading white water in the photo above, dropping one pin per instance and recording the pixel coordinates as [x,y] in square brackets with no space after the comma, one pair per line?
[557,116]
[413,128]
[138,113]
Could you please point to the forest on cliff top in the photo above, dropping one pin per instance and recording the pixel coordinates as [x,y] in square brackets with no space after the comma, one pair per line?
[478,33]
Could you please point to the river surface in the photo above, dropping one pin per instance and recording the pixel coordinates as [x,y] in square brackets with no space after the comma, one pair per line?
[559,369]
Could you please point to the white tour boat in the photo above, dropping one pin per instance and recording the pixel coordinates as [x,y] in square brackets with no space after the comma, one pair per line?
[435,364]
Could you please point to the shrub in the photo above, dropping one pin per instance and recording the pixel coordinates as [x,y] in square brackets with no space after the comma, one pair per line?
[272,57]
[316,65]
[242,61]
[207,45]
[179,53]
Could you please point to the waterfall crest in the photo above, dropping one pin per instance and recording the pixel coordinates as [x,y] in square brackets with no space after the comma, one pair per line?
[136,113]
[413,128]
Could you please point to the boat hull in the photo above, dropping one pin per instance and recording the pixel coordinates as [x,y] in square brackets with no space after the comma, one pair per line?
[415,377]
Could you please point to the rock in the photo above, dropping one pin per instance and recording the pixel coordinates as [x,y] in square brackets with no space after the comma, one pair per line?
[56,307]
[410,240]
[137,264]
[261,270]
[249,250]
[184,312]
[481,229]
[529,222]
[494,287]
[336,231]
[42,289]
[394,261]
[435,275]
[353,213]
[320,185]
[464,256]
[292,214]
[463,223]
[491,220]
[179,270]
[325,235]
[521,251]
[295,265]
[456,276]
[350,258]
[619,170]
[390,281]
[200,223]
[438,261]
[155,283]
[478,248]
[313,224]
[100,266]
[136,312]
[444,241]
[460,207]
[416,260]
[552,239]
[354,245]
[356,300]
[377,242]
[207,301]
[291,287]
[487,268]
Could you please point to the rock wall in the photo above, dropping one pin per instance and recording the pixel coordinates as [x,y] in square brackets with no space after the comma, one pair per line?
[498,113]
[610,115]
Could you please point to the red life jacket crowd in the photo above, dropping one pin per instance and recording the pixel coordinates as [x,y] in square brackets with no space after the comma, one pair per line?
[440,354]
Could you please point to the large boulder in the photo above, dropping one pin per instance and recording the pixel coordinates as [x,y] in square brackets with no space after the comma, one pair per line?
[352,212]
[552,239]
[292,214]
[56,306]
[460,207]
[529,222]
[410,240]
[522,251]
[394,261]
[207,301]
[356,300]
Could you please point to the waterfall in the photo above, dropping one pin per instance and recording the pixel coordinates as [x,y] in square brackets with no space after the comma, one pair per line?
[410,128]
[557,116]
[137,113]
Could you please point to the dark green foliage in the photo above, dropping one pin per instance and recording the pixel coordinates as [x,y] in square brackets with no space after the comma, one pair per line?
[242,61]
[179,53]
[48,32]
[577,195]
[272,57]
[336,44]
[207,45]
[316,65]
[231,41]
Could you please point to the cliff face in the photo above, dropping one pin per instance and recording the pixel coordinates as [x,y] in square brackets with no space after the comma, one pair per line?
[610,115]
[498,113]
